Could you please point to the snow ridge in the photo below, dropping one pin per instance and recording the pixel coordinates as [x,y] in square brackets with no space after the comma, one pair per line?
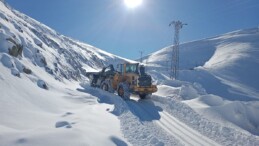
[223,135]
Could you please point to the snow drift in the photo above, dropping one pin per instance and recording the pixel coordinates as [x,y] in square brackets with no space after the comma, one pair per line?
[230,59]
[225,69]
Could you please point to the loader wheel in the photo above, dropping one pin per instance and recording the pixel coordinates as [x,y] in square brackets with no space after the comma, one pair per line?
[105,87]
[123,91]
[142,96]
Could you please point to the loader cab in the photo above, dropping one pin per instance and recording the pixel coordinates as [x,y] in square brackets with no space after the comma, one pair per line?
[120,68]
[128,68]
[129,72]
[132,68]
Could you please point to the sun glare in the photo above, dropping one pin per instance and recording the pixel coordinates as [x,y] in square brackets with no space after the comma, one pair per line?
[133,3]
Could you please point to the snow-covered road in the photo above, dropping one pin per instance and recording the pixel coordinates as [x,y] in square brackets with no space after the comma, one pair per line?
[167,121]
[171,124]
[183,132]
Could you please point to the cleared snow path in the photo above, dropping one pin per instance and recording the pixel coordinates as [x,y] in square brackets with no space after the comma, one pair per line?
[183,132]
[163,121]
[137,125]
[173,126]
[198,127]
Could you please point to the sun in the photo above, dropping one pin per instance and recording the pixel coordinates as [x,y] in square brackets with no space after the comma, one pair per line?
[133,3]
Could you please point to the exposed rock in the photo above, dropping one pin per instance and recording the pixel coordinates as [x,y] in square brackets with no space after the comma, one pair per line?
[50,71]
[16,49]
[42,84]
[15,72]
[63,124]
[38,43]
[43,60]
[3,16]
[27,71]
[7,61]
[18,28]
[18,65]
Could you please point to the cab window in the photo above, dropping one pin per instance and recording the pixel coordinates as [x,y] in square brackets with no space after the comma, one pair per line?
[120,68]
[131,68]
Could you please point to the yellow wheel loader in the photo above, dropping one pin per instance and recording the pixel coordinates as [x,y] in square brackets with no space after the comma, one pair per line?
[129,78]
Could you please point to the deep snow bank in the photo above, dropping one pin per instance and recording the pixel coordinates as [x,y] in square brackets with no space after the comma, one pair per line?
[141,124]
[60,115]
[215,69]
[230,60]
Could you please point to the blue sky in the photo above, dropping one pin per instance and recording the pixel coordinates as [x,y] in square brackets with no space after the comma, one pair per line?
[111,26]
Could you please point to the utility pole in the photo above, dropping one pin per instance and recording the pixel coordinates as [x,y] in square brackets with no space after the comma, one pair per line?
[174,72]
[167,68]
[141,53]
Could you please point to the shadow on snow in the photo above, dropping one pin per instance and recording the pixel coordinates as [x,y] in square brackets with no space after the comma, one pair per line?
[144,110]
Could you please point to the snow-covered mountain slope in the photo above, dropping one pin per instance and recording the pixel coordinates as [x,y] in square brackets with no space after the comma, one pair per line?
[223,72]
[45,99]
[230,59]
[37,46]
[39,74]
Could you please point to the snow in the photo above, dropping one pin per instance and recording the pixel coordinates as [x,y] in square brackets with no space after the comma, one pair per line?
[58,116]
[220,82]
[215,102]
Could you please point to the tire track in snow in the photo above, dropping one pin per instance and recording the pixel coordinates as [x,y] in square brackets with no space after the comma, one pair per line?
[145,120]
[174,127]
[168,130]
[186,133]
[144,112]
[218,133]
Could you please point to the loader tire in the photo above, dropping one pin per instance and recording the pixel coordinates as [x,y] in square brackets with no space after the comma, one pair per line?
[123,91]
[142,96]
[106,86]
[92,80]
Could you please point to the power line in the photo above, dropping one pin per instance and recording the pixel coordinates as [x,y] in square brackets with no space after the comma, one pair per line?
[167,68]
[174,72]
